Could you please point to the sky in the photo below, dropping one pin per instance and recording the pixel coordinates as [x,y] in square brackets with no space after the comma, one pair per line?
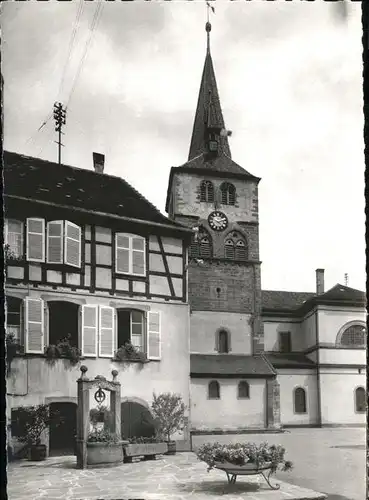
[289,76]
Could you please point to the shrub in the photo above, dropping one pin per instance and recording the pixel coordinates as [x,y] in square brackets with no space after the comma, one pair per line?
[32,421]
[144,440]
[102,436]
[169,413]
[244,453]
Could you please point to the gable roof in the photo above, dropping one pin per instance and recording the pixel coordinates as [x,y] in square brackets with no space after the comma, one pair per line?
[45,181]
[218,365]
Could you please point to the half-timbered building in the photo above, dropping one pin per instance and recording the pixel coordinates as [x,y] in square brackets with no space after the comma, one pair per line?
[91,263]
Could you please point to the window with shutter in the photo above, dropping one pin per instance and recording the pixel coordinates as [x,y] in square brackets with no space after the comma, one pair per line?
[130,254]
[35,240]
[106,332]
[153,335]
[205,247]
[34,325]
[14,317]
[54,248]
[229,249]
[240,250]
[89,330]
[228,193]
[72,244]
[14,237]
[207,191]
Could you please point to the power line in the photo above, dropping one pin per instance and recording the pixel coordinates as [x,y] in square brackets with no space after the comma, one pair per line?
[94,24]
[71,44]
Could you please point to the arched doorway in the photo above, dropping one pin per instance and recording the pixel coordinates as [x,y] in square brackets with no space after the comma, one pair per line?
[137,420]
[63,429]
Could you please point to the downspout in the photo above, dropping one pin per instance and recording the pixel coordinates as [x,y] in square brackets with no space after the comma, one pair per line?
[319,398]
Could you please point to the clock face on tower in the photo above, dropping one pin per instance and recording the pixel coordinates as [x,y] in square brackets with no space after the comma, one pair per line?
[218,221]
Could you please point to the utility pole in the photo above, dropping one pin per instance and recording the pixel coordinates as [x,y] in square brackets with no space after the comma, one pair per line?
[59,117]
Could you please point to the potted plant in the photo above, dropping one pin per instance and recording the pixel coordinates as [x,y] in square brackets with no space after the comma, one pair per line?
[63,349]
[128,352]
[244,459]
[169,411]
[10,256]
[33,420]
[103,447]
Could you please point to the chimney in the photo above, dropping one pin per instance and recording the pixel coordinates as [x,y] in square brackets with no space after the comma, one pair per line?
[99,161]
[319,281]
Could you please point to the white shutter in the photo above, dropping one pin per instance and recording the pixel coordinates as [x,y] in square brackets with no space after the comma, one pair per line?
[122,263]
[72,244]
[89,330]
[138,256]
[34,325]
[153,335]
[54,239]
[106,332]
[36,240]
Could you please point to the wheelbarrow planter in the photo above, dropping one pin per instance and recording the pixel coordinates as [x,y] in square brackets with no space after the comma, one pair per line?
[250,469]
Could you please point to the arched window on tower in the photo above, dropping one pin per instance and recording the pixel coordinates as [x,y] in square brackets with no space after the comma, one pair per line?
[360,400]
[229,249]
[300,400]
[214,390]
[235,246]
[201,245]
[228,193]
[223,342]
[243,390]
[207,191]
[352,335]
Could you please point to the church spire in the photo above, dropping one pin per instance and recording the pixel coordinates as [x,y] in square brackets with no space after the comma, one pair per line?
[208,112]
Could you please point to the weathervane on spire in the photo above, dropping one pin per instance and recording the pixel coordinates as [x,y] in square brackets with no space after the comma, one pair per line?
[208,25]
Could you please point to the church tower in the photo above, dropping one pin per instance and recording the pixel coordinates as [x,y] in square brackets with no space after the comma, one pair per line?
[219,200]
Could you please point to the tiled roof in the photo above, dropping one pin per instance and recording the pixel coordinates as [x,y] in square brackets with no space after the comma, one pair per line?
[280,300]
[76,187]
[300,302]
[289,360]
[229,365]
[343,293]
[208,102]
[222,163]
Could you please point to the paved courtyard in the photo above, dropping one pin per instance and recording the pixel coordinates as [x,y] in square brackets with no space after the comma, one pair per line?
[176,477]
[329,460]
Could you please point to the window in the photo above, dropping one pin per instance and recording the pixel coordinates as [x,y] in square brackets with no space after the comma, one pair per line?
[141,330]
[229,249]
[14,317]
[243,390]
[240,250]
[201,245]
[213,390]
[223,344]
[14,237]
[63,243]
[300,400]
[360,400]
[130,253]
[235,246]
[207,191]
[228,193]
[285,341]
[352,335]
[63,322]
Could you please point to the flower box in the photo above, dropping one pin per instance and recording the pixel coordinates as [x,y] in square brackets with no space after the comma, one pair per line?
[104,453]
[146,450]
